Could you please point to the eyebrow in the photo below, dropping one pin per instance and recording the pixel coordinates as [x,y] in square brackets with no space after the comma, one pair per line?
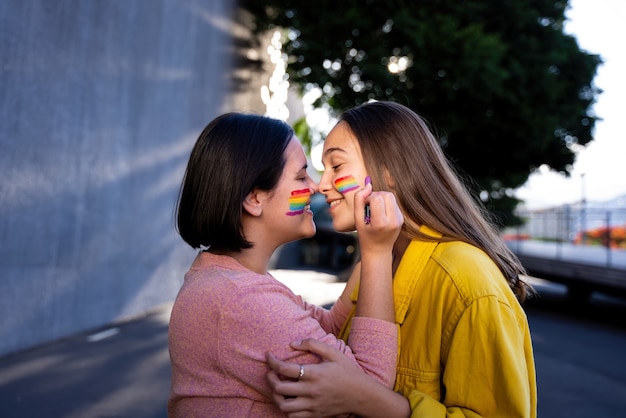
[304,168]
[331,150]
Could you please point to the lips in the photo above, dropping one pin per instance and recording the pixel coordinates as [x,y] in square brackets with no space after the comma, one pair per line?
[333,203]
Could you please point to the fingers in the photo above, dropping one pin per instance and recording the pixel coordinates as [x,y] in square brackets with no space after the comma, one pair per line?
[289,370]
[392,210]
[287,400]
[380,205]
[284,388]
[360,197]
[314,393]
[384,211]
[290,396]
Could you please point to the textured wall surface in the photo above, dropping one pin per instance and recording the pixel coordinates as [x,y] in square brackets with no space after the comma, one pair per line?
[100,104]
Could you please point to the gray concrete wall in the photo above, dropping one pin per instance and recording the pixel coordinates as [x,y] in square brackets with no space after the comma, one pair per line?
[100,104]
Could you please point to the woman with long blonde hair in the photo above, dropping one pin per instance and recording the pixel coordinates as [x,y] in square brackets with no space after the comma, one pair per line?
[464,345]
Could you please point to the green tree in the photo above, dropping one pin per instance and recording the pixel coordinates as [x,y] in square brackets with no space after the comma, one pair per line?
[502,85]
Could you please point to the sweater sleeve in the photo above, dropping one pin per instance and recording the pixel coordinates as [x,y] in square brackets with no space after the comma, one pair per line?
[265,318]
[331,320]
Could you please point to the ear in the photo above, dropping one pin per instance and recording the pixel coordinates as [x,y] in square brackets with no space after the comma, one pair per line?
[253,202]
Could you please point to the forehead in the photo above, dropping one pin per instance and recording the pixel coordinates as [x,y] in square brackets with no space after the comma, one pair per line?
[294,153]
[341,140]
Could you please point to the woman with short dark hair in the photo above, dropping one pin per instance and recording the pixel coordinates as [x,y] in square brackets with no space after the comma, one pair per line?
[246,192]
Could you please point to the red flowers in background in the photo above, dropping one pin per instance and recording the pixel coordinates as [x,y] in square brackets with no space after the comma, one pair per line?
[614,236]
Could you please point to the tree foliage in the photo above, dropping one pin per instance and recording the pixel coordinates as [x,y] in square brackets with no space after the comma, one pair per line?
[502,85]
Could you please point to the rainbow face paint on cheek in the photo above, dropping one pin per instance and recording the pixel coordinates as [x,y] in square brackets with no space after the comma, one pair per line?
[297,202]
[346,184]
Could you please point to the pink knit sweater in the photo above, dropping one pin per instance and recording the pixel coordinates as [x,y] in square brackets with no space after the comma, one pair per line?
[224,321]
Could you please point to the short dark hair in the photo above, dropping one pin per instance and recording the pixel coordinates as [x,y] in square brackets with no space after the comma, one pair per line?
[234,154]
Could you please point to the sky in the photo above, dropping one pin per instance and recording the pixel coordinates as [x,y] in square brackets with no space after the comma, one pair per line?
[599,172]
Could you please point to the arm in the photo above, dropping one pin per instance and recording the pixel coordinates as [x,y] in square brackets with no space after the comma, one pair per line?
[374,271]
[332,387]
[335,386]
[345,297]
[267,317]
[376,240]
[373,342]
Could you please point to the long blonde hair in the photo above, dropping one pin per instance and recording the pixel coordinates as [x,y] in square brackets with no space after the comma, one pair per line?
[402,155]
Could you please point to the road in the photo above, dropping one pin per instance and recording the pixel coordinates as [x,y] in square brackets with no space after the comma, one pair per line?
[123,370]
[579,354]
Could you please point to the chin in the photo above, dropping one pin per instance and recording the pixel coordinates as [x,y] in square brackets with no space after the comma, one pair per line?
[343,226]
[310,232]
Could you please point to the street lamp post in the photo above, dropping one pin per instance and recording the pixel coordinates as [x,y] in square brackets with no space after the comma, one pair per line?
[583,208]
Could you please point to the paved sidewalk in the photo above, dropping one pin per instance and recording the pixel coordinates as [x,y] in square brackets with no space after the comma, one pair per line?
[121,370]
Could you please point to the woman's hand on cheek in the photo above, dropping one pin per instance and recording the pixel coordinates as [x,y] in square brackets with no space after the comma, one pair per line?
[385,219]
[325,389]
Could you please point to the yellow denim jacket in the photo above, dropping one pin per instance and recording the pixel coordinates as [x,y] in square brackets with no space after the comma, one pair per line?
[464,347]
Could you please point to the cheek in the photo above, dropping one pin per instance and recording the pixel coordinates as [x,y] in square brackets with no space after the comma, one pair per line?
[346,184]
[344,221]
[297,201]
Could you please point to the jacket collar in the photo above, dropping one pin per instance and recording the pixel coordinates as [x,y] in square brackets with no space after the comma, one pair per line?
[410,270]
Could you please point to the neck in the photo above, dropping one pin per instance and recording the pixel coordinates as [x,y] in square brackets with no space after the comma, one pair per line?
[401,244]
[253,259]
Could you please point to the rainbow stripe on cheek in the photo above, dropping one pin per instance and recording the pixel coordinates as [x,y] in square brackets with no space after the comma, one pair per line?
[297,202]
[346,184]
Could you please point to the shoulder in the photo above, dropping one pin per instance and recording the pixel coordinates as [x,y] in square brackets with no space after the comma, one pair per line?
[454,254]
[472,272]
[219,282]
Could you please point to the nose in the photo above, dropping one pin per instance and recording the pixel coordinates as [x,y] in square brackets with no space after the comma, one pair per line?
[325,186]
[312,185]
